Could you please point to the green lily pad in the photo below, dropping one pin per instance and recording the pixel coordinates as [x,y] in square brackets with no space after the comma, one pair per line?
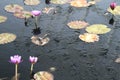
[60,1]
[77,24]
[3,19]
[43,75]
[116,11]
[98,29]
[7,37]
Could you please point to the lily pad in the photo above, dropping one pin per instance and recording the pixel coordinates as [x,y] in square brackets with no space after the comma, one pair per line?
[3,19]
[23,14]
[79,3]
[41,41]
[43,75]
[98,29]
[32,2]
[77,24]
[7,37]
[116,11]
[60,1]
[88,37]
[13,8]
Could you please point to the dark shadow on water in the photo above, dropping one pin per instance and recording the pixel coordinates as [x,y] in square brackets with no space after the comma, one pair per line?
[111,21]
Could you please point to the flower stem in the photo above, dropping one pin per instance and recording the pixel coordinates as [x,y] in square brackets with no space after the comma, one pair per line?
[16,66]
[31,70]
[36,24]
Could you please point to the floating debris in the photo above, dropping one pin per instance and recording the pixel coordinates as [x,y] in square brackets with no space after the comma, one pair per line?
[48,10]
[77,24]
[13,8]
[43,75]
[52,69]
[7,37]
[32,2]
[88,37]
[117,60]
[79,3]
[3,19]
[41,41]
[23,14]
[98,29]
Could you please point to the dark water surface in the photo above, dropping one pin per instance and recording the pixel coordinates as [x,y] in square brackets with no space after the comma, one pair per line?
[72,58]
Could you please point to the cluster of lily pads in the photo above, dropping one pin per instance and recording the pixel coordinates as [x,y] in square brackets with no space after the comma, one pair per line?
[92,31]
[91,34]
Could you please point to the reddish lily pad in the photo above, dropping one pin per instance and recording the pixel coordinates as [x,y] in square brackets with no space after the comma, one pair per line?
[98,29]
[32,2]
[43,75]
[41,41]
[3,19]
[23,14]
[79,3]
[7,37]
[13,8]
[60,1]
[88,37]
[77,24]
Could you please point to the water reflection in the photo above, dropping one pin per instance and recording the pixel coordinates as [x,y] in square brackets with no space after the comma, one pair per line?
[47,1]
[36,31]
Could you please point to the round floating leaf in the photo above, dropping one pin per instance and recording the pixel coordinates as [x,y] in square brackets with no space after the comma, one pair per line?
[60,1]
[117,60]
[88,37]
[7,37]
[77,24]
[43,75]
[13,8]
[116,10]
[23,14]
[3,19]
[79,3]
[41,41]
[31,2]
[98,29]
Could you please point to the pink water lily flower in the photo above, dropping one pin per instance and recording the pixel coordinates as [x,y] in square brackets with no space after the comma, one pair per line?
[33,59]
[113,5]
[16,59]
[36,13]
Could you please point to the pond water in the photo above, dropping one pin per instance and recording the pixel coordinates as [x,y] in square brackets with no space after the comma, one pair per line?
[72,58]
